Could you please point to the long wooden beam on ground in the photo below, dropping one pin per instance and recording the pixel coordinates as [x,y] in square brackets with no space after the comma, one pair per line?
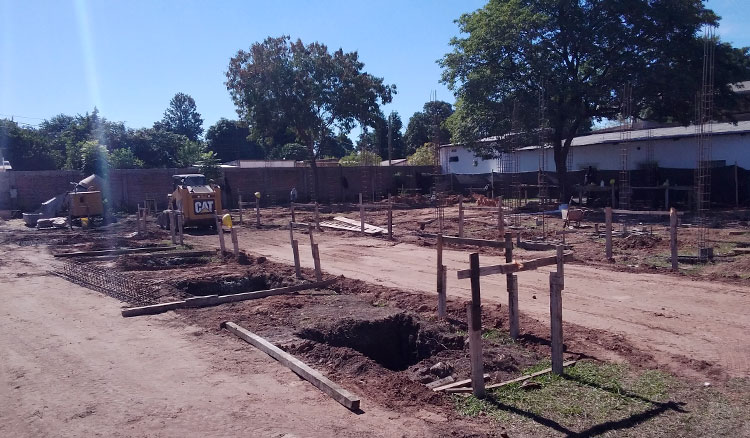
[215,300]
[115,251]
[516,380]
[645,212]
[456,384]
[475,242]
[509,268]
[341,395]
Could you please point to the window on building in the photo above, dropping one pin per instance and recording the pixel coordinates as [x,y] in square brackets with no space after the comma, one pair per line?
[453,159]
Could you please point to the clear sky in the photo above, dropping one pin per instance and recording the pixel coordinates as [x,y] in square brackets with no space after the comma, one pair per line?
[128,58]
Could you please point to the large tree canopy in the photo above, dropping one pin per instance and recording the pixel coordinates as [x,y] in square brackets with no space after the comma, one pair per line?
[182,117]
[229,139]
[279,83]
[579,55]
[421,128]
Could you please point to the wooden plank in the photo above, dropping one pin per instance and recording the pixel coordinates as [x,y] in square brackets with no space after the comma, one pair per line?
[644,212]
[457,383]
[311,205]
[214,300]
[510,268]
[512,285]
[295,251]
[235,242]
[516,380]
[538,246]
[316,261]
[361,214]
[338,393]
[368,228]
[476,242]
[471,207]
[116,251]
[460,216]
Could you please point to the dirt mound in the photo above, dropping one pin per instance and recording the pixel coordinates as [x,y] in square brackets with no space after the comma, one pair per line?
[639,241]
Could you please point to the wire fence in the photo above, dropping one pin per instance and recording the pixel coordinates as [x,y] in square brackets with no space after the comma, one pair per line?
[108,282]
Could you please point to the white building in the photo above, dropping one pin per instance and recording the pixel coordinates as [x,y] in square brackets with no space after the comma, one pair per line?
[674,147]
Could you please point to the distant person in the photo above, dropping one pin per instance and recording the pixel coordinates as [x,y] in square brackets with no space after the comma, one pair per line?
[488,191]
[293,195]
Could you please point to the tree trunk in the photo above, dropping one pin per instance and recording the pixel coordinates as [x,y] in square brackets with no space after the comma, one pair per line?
[561,169]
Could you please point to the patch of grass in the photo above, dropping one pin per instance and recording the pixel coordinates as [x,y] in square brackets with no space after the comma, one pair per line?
[588,396]
[498,336]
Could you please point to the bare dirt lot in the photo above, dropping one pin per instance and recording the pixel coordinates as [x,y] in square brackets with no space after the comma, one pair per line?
[646,342]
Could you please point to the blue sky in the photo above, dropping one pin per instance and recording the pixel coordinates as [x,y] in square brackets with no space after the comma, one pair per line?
[129,58]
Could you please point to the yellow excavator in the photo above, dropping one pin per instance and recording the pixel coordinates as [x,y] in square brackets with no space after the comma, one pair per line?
[198,201]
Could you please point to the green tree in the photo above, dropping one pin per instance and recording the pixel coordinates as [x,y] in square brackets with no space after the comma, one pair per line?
[182,117]
[124,158]
[361,158]
[26,149]
[423,156]
[579,55]
[230,140]
[421,127]
[378,137]
[336,147]
[94,158]
[280,84]
[292,151]
[209,166]
[155,147]
[190,153]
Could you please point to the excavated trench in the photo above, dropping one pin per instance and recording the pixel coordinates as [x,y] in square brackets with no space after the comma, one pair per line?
[395,342]
[229,285]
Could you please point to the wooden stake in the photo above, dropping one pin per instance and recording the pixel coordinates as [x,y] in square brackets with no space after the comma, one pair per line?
[474,313]
[608,233]
[240,205]
[317,217]
[512,284]
[295,251]
[361,214]
[173,226]
[440,277]
[316,261]
[460,216]
[292,207]
[235,242]
[257,212]
[220,230]
[556,285]
[138,221]
[500,221]
[338,393]
[390,217]
[181,226]
[673,238]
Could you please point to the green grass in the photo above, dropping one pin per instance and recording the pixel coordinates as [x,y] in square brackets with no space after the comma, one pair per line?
[590,394]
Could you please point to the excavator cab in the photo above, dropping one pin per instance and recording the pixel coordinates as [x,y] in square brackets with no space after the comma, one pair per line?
[198,201]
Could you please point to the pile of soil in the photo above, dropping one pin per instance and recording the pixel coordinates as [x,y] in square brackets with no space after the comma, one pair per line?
[638,241]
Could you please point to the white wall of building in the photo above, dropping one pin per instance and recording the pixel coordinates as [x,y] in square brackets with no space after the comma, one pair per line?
[679,153]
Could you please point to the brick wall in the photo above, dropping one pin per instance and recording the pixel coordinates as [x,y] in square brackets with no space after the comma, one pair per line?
[129,187]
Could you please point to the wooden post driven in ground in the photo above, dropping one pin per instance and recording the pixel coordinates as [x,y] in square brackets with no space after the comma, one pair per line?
[512,283]
[608,233]
[556,285]
[673,238]
[181,226]
[500,221]
[317,216]
[295,251]
[474,313]
[257,212]
[240,205]
[441,277]
[460,216]
[220,230]
[172,226]
[361,214]
[235,242]
[292,208]
[390,217]
[315,255]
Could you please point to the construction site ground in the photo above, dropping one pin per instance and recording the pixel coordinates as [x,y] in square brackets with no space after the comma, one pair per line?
[659,353]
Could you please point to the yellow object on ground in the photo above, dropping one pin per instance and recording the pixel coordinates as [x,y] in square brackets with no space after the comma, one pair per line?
[226,220]
[84,222]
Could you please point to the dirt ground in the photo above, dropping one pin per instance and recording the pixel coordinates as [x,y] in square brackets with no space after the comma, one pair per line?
[81,369]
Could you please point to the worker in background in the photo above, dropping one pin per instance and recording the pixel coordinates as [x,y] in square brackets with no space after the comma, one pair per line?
[293,195]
